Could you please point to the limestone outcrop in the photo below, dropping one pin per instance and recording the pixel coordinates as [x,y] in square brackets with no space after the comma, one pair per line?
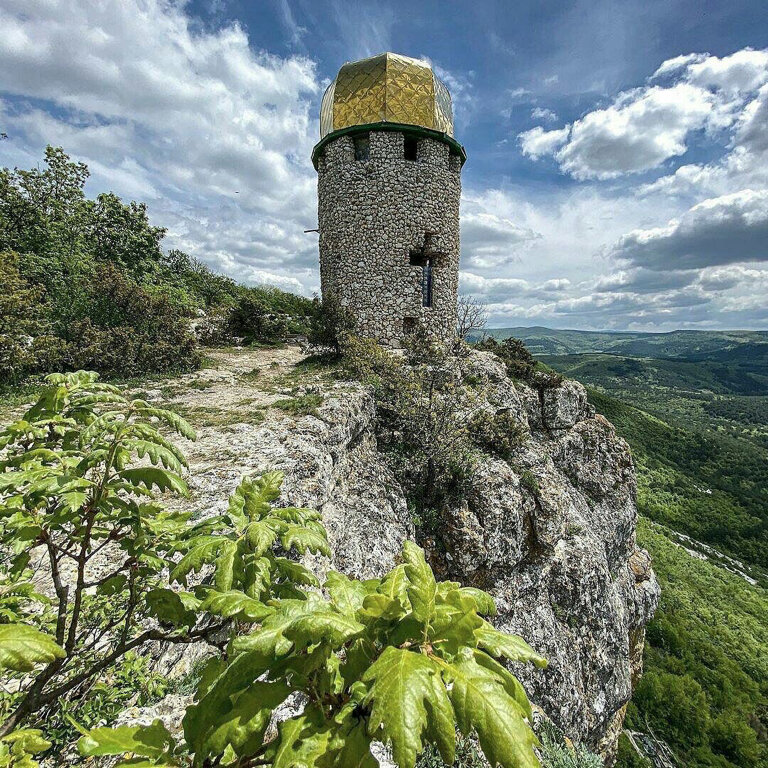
[550,532]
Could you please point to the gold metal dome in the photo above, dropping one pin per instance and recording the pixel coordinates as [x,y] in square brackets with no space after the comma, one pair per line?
[388,88]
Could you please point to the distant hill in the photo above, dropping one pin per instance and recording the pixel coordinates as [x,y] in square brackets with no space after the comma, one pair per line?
[691,345]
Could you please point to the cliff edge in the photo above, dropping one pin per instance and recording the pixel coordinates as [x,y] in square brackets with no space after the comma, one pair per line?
[550,531]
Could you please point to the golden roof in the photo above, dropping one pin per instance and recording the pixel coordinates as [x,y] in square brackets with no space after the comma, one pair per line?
[386,88]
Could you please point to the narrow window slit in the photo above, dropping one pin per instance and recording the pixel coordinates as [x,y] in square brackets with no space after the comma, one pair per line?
[410,148]
[362,146]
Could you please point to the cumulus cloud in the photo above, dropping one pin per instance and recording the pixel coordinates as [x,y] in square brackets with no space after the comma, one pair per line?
[643,281]
[752,129]
[216,136]
[538,142]
[490,240]
[644,127]
[723,230]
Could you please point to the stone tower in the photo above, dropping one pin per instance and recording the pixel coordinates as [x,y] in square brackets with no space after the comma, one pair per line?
[389,183]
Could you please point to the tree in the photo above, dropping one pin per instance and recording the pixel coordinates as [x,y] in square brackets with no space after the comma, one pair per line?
[330,324]
[25,344]
[67,485]
[471,316]
[403,659]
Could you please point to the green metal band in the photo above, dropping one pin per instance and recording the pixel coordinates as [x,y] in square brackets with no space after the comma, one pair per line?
[412,130]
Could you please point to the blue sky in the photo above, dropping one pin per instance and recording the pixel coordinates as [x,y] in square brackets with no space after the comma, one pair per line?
[617,172]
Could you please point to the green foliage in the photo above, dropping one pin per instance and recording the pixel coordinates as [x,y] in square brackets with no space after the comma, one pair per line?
[498,433]
[152,742]
[131,682]
[120,328]
[252,318]
[397,659]
[24,343]
[529,482]
[402,659]
[67,485]
[705,687]
[627,757]
[330,324]
[519,362]
[92,288]
[557,753]
[466,756]
[22,647]
[17,748]
[423,409]
[707,485]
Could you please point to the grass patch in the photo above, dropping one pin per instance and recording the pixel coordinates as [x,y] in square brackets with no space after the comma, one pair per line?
[210,416]
[200,384]
[250,376]
[316,367]
[303,405]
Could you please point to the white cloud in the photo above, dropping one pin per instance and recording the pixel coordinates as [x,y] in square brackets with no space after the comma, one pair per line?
[742,72]
[214,135]
[752,129]
[498,288]
[644,127]
[723,230]
[541,113]
[489,239]
[538,142]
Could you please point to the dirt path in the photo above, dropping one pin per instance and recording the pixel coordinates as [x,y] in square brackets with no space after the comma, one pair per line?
[235,384]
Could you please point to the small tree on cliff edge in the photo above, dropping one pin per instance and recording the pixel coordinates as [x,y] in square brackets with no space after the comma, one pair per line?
[330,324]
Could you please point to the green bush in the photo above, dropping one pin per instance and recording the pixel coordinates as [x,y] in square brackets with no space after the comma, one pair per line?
[253,319]
[422,409]
[330,324]
[25,343]
[498,433]
[67,486]
[520,363]
[121,328]
[555,753]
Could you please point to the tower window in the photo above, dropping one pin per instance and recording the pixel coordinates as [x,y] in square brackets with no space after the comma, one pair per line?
[362,146]
[426,283]
[410,148]
[409,325]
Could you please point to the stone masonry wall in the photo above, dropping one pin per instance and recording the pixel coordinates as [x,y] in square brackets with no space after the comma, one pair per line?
[372,214]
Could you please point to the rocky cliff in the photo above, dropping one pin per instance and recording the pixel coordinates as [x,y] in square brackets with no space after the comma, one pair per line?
[550,532]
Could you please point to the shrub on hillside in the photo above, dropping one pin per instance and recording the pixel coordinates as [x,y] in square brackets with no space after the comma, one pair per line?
[498,433]
[121,328]
[252,319]
[423,406]
[520,363]
[330,324]
[25,343]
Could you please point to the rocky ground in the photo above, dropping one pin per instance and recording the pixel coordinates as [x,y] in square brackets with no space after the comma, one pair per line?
[550,532]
